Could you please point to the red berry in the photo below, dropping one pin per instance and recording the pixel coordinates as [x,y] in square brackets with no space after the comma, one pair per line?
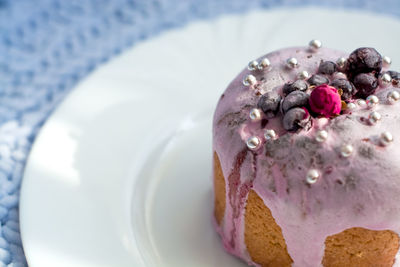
[325,100]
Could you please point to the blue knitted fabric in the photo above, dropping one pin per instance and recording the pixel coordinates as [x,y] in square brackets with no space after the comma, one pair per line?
[47,46]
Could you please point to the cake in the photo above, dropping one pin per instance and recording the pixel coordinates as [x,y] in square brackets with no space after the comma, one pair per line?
[306,159]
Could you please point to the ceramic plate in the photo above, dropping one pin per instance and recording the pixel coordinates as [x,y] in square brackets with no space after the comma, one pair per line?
[120,175]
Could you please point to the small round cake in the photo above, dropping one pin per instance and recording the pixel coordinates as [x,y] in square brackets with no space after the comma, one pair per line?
[307,160]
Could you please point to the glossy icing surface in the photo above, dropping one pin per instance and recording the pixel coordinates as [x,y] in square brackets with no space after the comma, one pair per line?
[361,190]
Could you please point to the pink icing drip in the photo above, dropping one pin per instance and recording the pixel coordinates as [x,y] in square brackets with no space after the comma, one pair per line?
[359,191]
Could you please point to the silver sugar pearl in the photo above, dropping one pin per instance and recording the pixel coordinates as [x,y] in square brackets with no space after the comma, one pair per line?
[312,176]
[346,150]
[255,114]
[341,62]
[372,101]
[393,97]
[264,63]
[386,78]
[292,62]
[321,136]
[315,44]
[386,138]
[387,61]
[252,65]
[253,142]
[351,106]
[270,134]
[374,117]
[249,80]
[304,75]
[361,103]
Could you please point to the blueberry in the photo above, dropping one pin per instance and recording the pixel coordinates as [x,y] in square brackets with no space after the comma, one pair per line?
[269,103]
[296,118]
[394,74]
[364,60]
[346,86]
[327,67]
[366,83]
[297,85]
[317,79]
[294,99]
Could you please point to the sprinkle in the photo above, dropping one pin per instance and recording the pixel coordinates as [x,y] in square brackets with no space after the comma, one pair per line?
[315,44]
[312,176]
[387,61]
[374,117]
[386,78]
[321,136]
[386,138]
[393,97]
[255,114]
[252,65]
[350,106]
[346,150]
[292,63]
[249,80]
[264,63]
[372,101]
[341,62]
[253,142]
[304,75]
[361,103]
[270,134]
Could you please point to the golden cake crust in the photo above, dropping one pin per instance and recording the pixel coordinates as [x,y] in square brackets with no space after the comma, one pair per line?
[361,247]
[263,237]
[219,191]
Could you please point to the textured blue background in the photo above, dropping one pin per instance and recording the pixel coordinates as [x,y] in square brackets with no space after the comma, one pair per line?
[47,46]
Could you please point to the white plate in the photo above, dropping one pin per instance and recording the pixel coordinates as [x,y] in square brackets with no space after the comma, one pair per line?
[120,173]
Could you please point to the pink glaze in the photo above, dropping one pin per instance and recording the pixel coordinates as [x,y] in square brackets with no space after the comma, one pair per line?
[325,100]
[362,190]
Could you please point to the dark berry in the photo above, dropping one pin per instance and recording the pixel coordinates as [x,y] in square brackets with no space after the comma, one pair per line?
[269,103]
[296,118]
[366,83]
[297,85]
[346,86]
[317,79]
[294,99]
[394,74]
[327,67]
[364,60]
